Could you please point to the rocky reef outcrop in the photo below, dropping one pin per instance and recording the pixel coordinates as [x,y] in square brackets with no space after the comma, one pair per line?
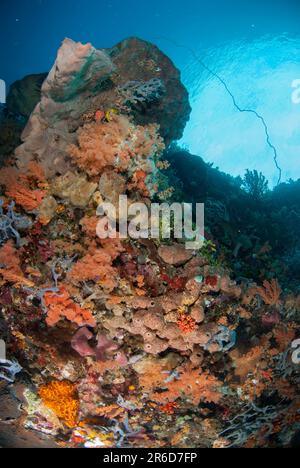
[24,94]
[84,79]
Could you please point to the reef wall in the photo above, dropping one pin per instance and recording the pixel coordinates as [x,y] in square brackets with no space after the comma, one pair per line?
[136,342]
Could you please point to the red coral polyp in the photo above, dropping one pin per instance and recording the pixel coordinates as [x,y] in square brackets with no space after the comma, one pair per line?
[176,284]
[211,281]
[186,323]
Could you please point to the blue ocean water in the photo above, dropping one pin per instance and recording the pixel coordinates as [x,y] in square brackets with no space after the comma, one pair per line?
[254,45]
[262,76]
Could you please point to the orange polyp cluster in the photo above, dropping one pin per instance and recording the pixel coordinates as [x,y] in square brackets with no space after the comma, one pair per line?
[61,397]
[169,408]
[60,305]
[186,323]
[139,182]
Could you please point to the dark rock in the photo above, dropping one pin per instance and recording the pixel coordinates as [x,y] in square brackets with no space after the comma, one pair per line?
[174,254]
[10,137]
[12,432]
[24,94]
[15,436]
[147,62]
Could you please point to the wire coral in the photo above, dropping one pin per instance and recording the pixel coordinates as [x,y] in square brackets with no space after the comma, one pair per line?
[9,370]
[113,144]
[60,306]
[8,227]
[61,397]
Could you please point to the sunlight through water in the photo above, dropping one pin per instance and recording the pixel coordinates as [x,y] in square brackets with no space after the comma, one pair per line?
[260,75]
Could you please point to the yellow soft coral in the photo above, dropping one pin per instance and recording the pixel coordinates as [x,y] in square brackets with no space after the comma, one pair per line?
[62,399]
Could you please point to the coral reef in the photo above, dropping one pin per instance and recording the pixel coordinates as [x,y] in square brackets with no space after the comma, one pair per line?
[133,342]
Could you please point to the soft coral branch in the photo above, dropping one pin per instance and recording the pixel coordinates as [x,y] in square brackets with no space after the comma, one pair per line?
[60,305]
[270,292]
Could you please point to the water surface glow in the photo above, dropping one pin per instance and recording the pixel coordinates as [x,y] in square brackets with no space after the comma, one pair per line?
[260,74]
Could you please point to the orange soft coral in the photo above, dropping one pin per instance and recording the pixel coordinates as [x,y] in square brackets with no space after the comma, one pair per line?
[113,144]
[62,398]
[36,172]
[89,226]
[28,199]
[194,385]
[60,306]
[138,182]
[284,335]
[10,259]
[28,188]
[95,266]
[113,247]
